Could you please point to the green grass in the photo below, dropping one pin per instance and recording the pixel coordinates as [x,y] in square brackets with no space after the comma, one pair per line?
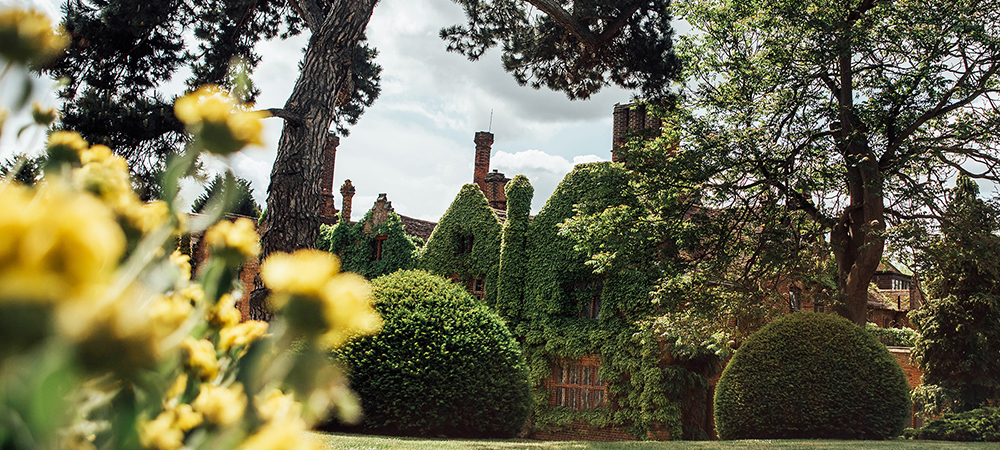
[360,442]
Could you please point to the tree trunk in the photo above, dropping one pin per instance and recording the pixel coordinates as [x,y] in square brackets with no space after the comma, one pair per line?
[857,236]
[293,201]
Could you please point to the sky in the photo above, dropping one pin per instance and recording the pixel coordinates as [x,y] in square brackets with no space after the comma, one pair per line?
[416,142]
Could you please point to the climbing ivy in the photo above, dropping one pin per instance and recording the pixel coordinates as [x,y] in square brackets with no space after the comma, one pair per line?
[448,251]
[513,249]
[648,384]
[356,244]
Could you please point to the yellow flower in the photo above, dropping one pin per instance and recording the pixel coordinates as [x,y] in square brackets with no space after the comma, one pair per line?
[279,436]
[304,272]
[55,245]
[238,238]
[27,36]
[316,299]
[242,334]
[166,432]
[277,406]
[221,406]
[168,313]
[182,262]
[66,146]
[348,310]
[200,357]
[176,390]
[161,433]
[217,122]
[187,418]
[224,314]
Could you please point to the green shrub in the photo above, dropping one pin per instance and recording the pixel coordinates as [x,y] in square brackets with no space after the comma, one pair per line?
[981,424]
[812,375]
[444,364]
[893,337]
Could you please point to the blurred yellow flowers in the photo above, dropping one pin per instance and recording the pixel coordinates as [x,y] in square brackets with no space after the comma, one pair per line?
[26,36]
[238,239]
[55,244]
[218,123]
[316,299]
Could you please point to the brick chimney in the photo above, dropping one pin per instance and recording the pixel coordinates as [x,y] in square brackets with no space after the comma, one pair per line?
[484,145]
[347,194]
[328,207]
[630,120]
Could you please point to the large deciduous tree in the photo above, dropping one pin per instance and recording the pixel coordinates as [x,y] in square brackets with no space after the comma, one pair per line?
[853,113]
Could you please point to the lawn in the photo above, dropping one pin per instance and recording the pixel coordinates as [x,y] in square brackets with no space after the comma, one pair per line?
[361,442]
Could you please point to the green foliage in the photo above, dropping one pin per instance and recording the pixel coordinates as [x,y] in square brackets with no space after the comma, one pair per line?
[243,202]
[514,249]
[564,274]
[444,364]
[979,425]
[792,106]
[447,253]
[356,244]
[959,324]
[811,375]
[23,169]
[893,337]
[595,44]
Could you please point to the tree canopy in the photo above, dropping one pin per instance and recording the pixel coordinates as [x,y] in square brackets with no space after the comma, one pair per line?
[576,46]
[831,117]
[959,324]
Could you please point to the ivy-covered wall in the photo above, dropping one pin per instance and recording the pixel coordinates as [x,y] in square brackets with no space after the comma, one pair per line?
[514,250]
[647,385]
[447,251]
[357,248]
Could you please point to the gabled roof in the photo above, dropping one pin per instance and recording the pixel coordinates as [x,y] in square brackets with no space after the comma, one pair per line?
[416,227]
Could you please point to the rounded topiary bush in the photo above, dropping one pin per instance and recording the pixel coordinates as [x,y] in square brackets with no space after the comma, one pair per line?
[444,364]
[811,375]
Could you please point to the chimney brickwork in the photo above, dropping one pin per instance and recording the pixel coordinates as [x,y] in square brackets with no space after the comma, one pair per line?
[347,194]
[328,206]
[630,120]
[484,145]
[492,184]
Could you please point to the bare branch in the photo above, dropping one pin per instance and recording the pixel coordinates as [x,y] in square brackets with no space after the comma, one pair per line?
[290,117]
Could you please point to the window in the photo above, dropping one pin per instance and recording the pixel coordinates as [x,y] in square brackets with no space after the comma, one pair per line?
[476,287]
[578,386]
[794,300]
[900,285]
[378,244]
[465,244]
[589,295]
[819,307]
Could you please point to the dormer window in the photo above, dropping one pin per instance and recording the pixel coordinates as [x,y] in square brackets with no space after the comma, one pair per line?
[465,244]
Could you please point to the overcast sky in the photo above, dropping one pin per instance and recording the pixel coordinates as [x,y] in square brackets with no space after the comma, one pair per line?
[416,143]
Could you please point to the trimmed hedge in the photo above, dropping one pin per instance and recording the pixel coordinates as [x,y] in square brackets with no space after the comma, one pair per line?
[893,337]
[980,425]
[812,375]
[444,364]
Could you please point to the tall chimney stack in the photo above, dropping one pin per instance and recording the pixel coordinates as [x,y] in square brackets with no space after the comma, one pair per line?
[347,193]
[328,206]
[484,145]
